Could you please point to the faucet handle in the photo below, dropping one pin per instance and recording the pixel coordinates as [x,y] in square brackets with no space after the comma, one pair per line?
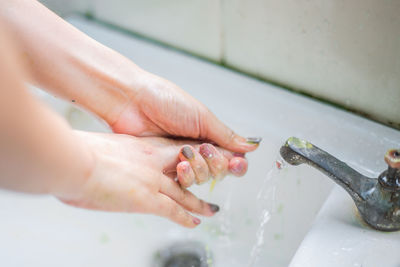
[390,179]
[392,158]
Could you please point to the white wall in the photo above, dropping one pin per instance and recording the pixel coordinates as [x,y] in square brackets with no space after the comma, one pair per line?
[345,51]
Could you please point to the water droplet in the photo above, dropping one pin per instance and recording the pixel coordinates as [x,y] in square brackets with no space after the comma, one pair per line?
[280,163]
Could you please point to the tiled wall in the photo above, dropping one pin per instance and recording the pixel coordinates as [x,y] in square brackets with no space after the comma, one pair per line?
[344,51]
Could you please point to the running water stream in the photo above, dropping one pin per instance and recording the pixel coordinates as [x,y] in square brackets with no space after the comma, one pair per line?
[266,198]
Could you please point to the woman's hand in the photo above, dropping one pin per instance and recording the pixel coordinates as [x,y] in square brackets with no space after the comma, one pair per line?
[157,107]
[129,174]
[136,175]
[131,100]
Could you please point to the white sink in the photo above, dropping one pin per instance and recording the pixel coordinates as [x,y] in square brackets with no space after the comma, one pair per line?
[340,238]
[264,216]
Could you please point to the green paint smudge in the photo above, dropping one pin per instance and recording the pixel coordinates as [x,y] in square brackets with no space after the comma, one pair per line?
[249,221]
[104,239]
[278,236]
[300,143]
[280,208]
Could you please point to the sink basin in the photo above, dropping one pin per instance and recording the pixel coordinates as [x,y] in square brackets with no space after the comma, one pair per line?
[346,240]
[264,216]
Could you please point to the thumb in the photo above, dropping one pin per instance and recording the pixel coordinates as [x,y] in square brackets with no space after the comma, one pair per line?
[222,135]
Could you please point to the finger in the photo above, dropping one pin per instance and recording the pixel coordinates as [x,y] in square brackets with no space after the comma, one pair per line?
[217,163]
[186,176]
[198,164]
[237,162]
[185,198]
[238,166]
[168,208]
[222,135]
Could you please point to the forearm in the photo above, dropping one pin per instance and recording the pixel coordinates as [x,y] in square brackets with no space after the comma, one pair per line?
[68,62]
[39,153]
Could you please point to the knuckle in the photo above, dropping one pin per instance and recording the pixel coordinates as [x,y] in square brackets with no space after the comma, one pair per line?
[173,211]
[181,197]
[230,135]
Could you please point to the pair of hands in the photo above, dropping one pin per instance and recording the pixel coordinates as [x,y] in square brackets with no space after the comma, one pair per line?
[132,170]
[136,174]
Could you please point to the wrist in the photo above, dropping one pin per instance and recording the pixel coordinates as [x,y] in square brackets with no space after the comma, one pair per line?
[112,85]
[109,90]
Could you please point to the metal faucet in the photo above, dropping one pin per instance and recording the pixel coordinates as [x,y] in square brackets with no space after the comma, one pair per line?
[377,199]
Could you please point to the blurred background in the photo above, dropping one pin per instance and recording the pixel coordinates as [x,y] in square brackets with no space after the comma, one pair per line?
[344,52]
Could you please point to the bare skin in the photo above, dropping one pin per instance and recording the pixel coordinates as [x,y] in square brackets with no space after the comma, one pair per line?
[131,100]
[129,176]
[39,153]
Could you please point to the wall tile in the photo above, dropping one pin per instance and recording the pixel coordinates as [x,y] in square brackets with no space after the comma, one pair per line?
[190,25]
[344,51]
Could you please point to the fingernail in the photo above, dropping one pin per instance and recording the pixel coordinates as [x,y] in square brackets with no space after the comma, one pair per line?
[205,151]
[253,140]
[187,152]
[237,167]
[237,154]
[214,208]
[166,172]
[196,221]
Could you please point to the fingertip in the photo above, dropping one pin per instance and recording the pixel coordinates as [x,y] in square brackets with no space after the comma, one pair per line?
[239,144]
[208,209]
[190,221]
[205,150]
[185,174]
[182,166]
[222,135]
[238,166]
[217,162]
[214,208]
[196,221]
[186,153]
[244,145]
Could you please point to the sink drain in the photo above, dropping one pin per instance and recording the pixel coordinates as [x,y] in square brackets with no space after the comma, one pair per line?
[183,254]
[183,260]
